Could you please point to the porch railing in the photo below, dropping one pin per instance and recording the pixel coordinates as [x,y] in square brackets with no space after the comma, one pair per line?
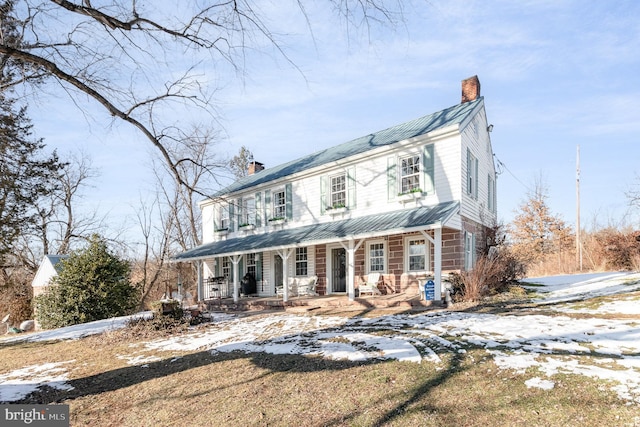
[217,287]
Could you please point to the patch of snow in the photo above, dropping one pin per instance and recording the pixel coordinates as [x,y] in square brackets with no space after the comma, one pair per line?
[139,360]
[576,287]
[78,331]
[539,383]
[19,383]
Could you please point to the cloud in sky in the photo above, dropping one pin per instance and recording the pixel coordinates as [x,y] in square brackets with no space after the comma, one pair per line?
[554,74]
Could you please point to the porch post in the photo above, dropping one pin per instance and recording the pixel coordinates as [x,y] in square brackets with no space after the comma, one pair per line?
[351,249]
[236,261]
[199,284]
[437,264]
[285,254]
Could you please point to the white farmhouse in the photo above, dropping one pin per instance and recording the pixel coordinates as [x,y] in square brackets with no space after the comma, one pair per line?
[401,205]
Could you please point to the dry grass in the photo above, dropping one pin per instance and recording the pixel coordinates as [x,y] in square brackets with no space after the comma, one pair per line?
[239,389]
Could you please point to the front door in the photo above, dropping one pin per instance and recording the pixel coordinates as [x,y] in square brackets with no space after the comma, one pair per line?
[339,270]
[277,270]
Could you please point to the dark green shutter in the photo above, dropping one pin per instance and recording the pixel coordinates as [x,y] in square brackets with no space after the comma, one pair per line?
[231,217]
[323,194]
[351,187]
[469,189]
[259,266]
[288,198]
[267,206]
[475,187]
[392,189]
[428,169]
[259,212]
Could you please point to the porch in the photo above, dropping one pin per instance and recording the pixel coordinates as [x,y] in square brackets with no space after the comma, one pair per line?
[400,301]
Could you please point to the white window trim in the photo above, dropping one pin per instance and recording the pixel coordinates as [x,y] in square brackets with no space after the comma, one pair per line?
[399,170]
[296,261]
[330,193]
[273,203]
[472,175]
[469,251]
[224,217]
[248,212]
[385,255]
[427,253]
[491,194]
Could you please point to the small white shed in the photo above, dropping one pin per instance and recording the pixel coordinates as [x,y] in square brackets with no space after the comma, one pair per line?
[49,268]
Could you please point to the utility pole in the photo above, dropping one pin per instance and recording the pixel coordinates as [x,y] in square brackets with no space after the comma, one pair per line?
[578,231]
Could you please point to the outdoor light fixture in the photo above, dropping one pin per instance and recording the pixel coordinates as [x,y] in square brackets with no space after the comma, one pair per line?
[489,128]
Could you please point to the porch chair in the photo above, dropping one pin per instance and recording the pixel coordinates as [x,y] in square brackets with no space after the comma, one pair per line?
[371,285]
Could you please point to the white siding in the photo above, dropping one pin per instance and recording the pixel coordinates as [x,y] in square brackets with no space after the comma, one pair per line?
[475,137]
[45,273]
[371,181]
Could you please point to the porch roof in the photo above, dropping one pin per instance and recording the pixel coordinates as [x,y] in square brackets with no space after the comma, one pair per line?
[355,228]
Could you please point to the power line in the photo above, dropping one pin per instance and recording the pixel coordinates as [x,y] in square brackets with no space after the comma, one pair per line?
[499,171]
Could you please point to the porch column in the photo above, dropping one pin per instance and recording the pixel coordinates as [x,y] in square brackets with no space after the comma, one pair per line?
[199,283]
[437,264]
[236,261]
[437,261]
[351,247]
[285,254]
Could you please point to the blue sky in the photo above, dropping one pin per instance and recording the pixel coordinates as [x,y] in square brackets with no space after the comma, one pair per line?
[554,74]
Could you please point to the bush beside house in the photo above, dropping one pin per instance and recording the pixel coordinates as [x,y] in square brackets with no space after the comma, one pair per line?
[92,285]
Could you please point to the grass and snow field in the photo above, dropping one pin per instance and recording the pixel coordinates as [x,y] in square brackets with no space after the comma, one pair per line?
[581,324]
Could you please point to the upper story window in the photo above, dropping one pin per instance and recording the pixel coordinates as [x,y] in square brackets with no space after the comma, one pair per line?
[248,212]
[376,257]
[412,173]
[338,191]
[301,261]
[279,204]
[472,175]
[409,174]
[224,218]
[491,194]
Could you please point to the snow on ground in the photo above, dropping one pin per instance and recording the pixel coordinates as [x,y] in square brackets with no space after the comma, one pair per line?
[600,347]
[19,383]
[576,287]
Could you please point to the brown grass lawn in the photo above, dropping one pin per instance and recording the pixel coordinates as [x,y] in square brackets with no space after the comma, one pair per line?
[239,389]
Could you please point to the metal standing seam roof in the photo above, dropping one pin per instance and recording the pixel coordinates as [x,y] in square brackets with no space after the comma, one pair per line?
[423,125]
[355,228]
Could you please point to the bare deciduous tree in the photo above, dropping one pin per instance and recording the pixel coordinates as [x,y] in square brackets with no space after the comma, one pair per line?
[135,58]
[175,210]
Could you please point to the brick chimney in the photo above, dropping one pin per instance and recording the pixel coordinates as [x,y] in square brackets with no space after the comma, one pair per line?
[470,89]
[255,167]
